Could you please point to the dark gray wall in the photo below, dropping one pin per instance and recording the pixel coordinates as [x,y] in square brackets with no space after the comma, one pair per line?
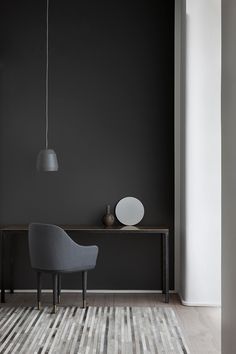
[228,176]
[111,124]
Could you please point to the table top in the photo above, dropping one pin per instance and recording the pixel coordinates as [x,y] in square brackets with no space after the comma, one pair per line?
[96,229]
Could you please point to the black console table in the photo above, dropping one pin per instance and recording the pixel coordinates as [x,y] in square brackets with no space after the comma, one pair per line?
[129,230]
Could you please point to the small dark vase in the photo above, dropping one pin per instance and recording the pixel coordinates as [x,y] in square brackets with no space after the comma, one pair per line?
[108,219]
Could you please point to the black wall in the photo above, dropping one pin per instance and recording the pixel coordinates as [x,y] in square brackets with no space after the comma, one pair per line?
[111,124]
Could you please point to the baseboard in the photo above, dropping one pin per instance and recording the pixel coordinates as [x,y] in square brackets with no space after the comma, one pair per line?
[103,291]
[198,304]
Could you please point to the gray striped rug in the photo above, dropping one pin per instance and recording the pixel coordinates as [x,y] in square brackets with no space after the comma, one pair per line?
[112,330]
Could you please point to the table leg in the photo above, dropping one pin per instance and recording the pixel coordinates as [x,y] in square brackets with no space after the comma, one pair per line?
[12,256]
[165,248]
[2,267]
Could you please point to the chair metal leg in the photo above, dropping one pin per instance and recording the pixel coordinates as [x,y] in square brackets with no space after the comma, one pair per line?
[54,280]
[84,287]
[58,288]
[39,286]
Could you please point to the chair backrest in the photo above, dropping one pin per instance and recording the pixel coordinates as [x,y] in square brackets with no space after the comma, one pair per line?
[50,247]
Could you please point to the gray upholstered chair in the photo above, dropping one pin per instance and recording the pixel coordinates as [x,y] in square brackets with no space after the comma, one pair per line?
[53,251]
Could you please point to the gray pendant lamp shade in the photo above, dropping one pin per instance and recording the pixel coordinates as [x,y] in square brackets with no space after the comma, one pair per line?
[47,158]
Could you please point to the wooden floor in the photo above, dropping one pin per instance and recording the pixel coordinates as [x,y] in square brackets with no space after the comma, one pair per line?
[200,325]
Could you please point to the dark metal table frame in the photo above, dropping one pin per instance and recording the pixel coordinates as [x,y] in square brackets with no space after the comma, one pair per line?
[131,230]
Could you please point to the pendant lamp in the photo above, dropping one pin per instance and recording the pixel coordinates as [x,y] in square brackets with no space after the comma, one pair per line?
[47,158]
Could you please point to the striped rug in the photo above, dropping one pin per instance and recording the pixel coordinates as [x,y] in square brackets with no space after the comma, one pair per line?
[111,330]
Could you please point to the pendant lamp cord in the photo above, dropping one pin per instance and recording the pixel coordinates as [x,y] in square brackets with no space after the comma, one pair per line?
[46,132]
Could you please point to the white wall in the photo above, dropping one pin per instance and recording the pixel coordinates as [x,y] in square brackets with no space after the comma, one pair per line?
[201,152]
[228,176]
[178,71]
